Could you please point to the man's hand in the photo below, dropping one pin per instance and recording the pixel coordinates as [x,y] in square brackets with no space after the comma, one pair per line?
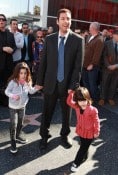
[90,67]
[8,49]
[112,67]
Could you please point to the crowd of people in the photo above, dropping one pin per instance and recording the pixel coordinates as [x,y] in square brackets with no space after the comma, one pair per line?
[78,68]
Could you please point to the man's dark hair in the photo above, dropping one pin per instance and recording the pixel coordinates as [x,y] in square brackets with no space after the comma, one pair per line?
[3,17]
[64,10]
[25,23]
[13,19]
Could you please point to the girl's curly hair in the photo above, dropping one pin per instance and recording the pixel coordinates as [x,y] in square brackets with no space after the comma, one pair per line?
[15,75]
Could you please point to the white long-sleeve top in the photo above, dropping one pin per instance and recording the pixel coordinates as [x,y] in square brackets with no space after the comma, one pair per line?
[19,40]
[14,88]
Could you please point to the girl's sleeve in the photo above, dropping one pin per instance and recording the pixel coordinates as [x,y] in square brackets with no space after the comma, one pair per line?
[32,90]
[8,90]
[70,101]
[96,123]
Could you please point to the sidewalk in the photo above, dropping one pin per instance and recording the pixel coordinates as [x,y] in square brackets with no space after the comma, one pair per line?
[103,153]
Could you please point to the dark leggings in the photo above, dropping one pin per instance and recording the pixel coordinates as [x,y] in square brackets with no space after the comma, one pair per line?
[16,119]
[83,150]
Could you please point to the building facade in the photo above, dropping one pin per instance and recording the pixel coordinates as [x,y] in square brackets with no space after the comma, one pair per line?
[84,12]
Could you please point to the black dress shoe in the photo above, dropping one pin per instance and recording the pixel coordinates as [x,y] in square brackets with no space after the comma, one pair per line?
[43,144]
[66,142]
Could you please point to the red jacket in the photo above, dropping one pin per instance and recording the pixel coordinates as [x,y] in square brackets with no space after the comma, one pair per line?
[88,123]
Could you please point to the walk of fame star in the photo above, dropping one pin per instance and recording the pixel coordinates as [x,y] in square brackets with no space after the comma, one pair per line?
[28,120]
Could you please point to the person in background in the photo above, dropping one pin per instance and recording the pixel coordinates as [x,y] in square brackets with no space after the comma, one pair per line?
[88,124]
[27,52]
[91,66]
[7,48]
[45,32]
[109,81]
[59,71]
[19,40]
[110,33]
[37,52]
[50,30]
[20,84]
[105,34]
[77,31]
[85,34]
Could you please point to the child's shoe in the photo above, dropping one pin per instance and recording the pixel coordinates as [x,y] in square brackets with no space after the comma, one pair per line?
[13,148]
[21,140]
[74,168]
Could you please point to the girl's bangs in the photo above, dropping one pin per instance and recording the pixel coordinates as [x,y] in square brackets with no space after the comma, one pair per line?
[81,99]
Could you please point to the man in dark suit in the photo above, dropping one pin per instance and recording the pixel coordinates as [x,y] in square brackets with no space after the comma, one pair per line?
[7,47]
[48,77]
[27,51]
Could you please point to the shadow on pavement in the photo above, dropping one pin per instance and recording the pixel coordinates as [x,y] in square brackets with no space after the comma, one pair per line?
[104,160]
[25,154]
[63,170]
[106,155]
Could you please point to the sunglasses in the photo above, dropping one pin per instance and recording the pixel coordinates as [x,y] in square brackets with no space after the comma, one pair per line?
[2,19]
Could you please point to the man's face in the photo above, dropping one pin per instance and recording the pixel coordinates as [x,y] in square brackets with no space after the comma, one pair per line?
[91,29]
[39,36]
[115,37]
[64,22]
[14,26]
[25,29]
[2,22]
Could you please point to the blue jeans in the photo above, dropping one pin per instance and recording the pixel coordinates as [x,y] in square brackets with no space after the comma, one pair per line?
[90,81]
[16,119]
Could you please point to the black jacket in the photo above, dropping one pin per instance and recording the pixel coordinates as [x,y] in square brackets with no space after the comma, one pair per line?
[73,60]
[31,39]
[6,59]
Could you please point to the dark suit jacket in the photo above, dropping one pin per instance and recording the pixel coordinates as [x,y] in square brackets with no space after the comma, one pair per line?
[6,61]
[110,58]
[73,60]
[31,39]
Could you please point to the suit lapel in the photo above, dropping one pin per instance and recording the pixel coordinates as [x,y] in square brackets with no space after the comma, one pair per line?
[68,42]
[55,43]
[55,40]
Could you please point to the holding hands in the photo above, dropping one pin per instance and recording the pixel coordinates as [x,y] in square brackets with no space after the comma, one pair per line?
[38,87]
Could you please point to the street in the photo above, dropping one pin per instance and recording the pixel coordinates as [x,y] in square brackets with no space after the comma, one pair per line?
[103,153]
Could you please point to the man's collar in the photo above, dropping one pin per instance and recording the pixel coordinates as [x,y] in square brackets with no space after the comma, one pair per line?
[66,35]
